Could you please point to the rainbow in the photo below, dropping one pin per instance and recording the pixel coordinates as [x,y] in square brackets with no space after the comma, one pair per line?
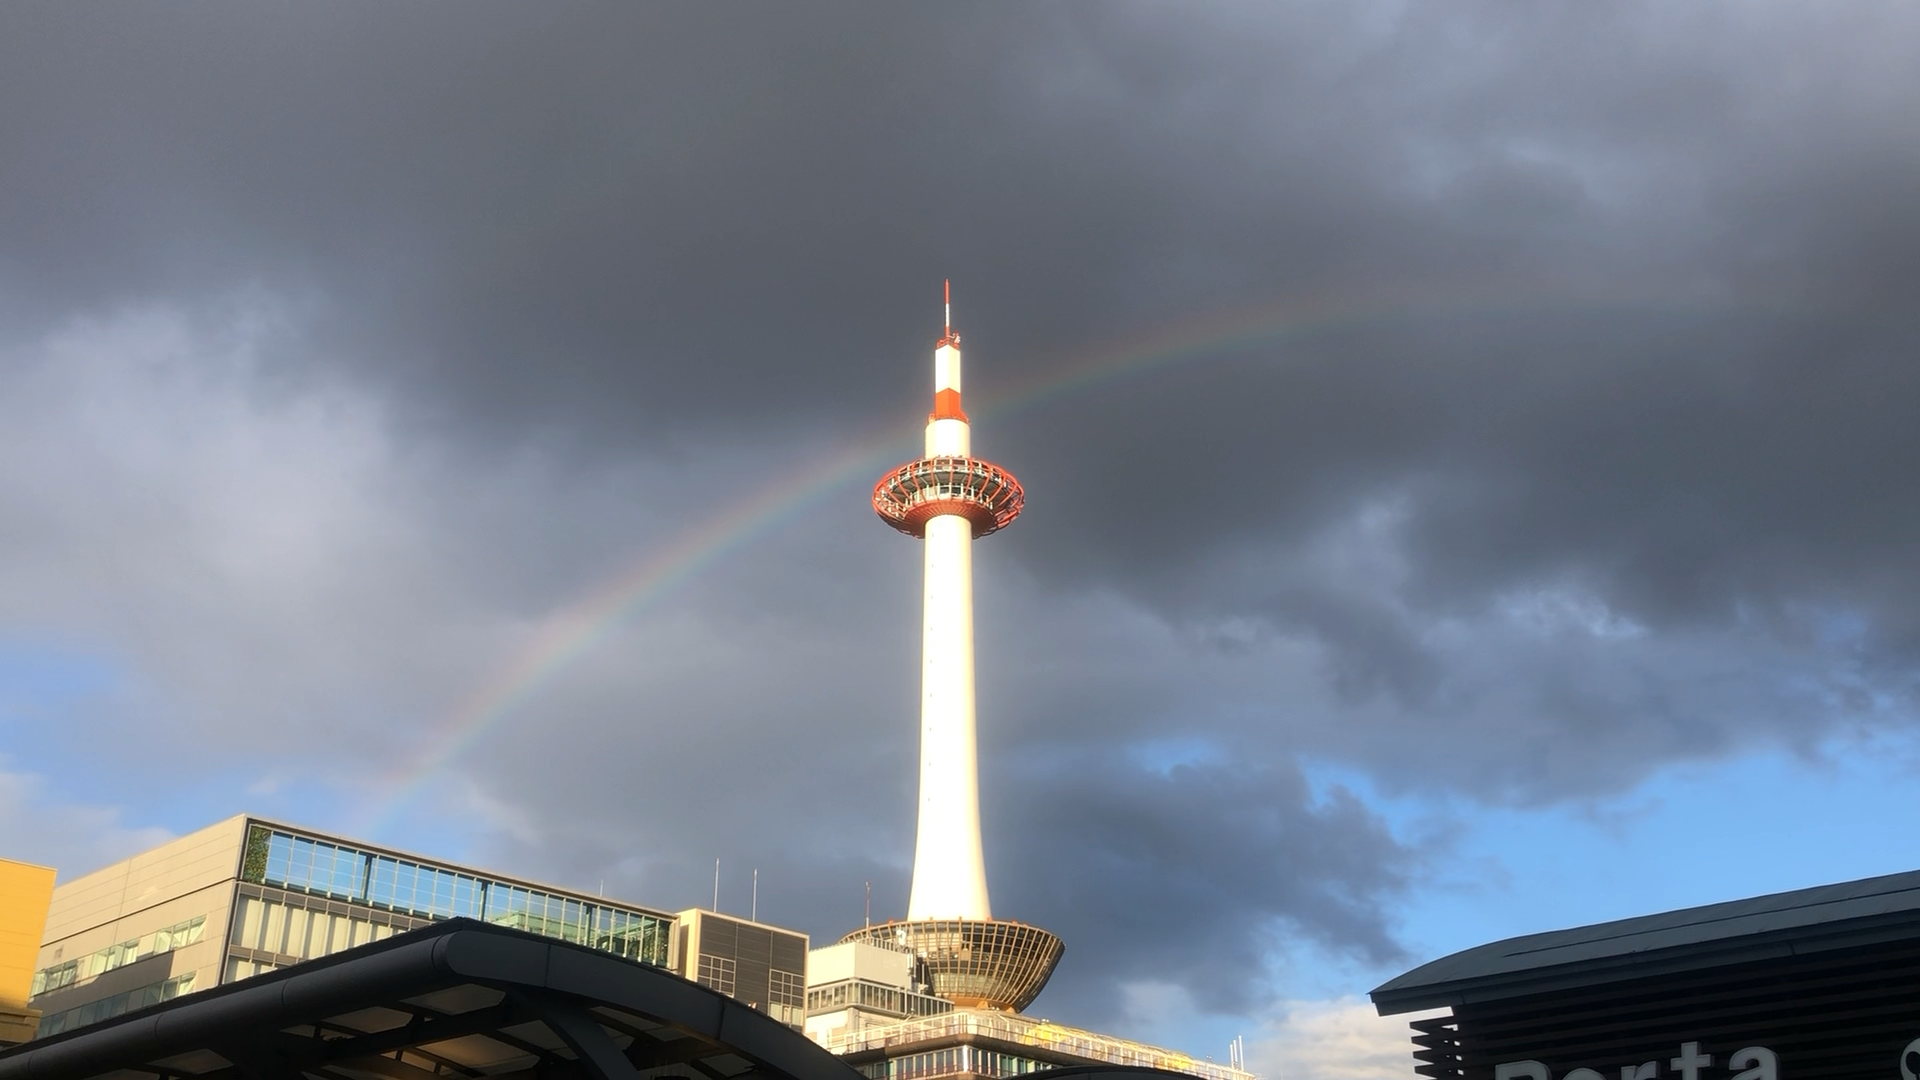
[578,628]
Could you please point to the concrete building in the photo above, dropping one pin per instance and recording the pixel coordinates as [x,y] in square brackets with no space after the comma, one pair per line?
[868,1005]
[856,986]
[248,895]
[461,1000]
[764,966]
[982,1043]
[455,1000]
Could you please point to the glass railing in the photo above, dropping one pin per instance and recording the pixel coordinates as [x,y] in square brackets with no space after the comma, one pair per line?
[1026,1031]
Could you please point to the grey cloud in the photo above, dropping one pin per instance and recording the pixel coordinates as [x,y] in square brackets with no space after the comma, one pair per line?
[1605,467]
[1197,876]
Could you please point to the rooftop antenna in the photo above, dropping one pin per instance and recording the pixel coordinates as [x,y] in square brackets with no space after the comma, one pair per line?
[869,916]
[753,913]
[948,339]
[716,884]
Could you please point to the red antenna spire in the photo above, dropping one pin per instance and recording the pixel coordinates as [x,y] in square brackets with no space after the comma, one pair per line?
[946,294]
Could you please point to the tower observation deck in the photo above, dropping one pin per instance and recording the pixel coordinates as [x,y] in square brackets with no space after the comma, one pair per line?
[947,499]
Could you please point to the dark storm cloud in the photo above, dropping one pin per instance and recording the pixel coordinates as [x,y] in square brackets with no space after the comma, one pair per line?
[1156,865]
[1618,473]
[664,210]
[1739,479]
[1194,875]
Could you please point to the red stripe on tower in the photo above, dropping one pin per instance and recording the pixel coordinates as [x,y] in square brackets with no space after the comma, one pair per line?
[946,406]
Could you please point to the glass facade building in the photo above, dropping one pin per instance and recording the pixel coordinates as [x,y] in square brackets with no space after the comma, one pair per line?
[247,896]
[314,866]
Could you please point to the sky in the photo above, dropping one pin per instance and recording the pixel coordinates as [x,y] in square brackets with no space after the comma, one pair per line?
[1469,452]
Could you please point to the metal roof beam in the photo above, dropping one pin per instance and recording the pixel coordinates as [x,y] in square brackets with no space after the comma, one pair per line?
[582,1033]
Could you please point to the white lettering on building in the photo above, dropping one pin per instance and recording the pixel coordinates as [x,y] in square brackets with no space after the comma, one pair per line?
[1746,1063]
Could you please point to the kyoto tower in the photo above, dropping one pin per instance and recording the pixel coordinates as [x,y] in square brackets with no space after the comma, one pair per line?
[947,499]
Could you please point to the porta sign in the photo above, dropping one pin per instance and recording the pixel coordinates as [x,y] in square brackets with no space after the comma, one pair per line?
[1746,1063]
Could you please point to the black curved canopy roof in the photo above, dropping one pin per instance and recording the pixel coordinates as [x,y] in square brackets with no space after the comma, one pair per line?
[1851,914]
[459,999]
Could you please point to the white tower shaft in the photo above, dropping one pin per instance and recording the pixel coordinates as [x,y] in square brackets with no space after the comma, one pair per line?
[946,500]
[949,869]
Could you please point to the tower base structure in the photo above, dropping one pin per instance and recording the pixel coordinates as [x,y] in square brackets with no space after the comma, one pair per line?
[974,963]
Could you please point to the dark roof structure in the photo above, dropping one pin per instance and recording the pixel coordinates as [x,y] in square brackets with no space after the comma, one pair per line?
[456,1000]
[1827,917]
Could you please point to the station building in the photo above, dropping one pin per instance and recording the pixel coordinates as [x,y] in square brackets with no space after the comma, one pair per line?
[1814,984]
[247,896]
[877,1008]
[457,999]
[454,1000]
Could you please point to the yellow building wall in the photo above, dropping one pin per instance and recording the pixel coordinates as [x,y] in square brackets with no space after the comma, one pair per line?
[25,893]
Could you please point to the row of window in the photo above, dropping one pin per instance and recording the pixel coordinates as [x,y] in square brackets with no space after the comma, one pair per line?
[786,996]
[715,972]
[80,969]
[238,968]
[786,988]
[959,1059]
[109,1007]
[291,930]
[321,868]
[860,993]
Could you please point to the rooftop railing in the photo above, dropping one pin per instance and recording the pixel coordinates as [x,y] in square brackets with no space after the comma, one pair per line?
[1026,1031]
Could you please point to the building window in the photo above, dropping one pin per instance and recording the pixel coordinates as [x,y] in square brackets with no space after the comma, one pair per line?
[962,1059]
[238,969]
[322,868]
[865,994]
[289,929]
[716,972]
[786,988]
[84,968]
[787,996]
[107,1008]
